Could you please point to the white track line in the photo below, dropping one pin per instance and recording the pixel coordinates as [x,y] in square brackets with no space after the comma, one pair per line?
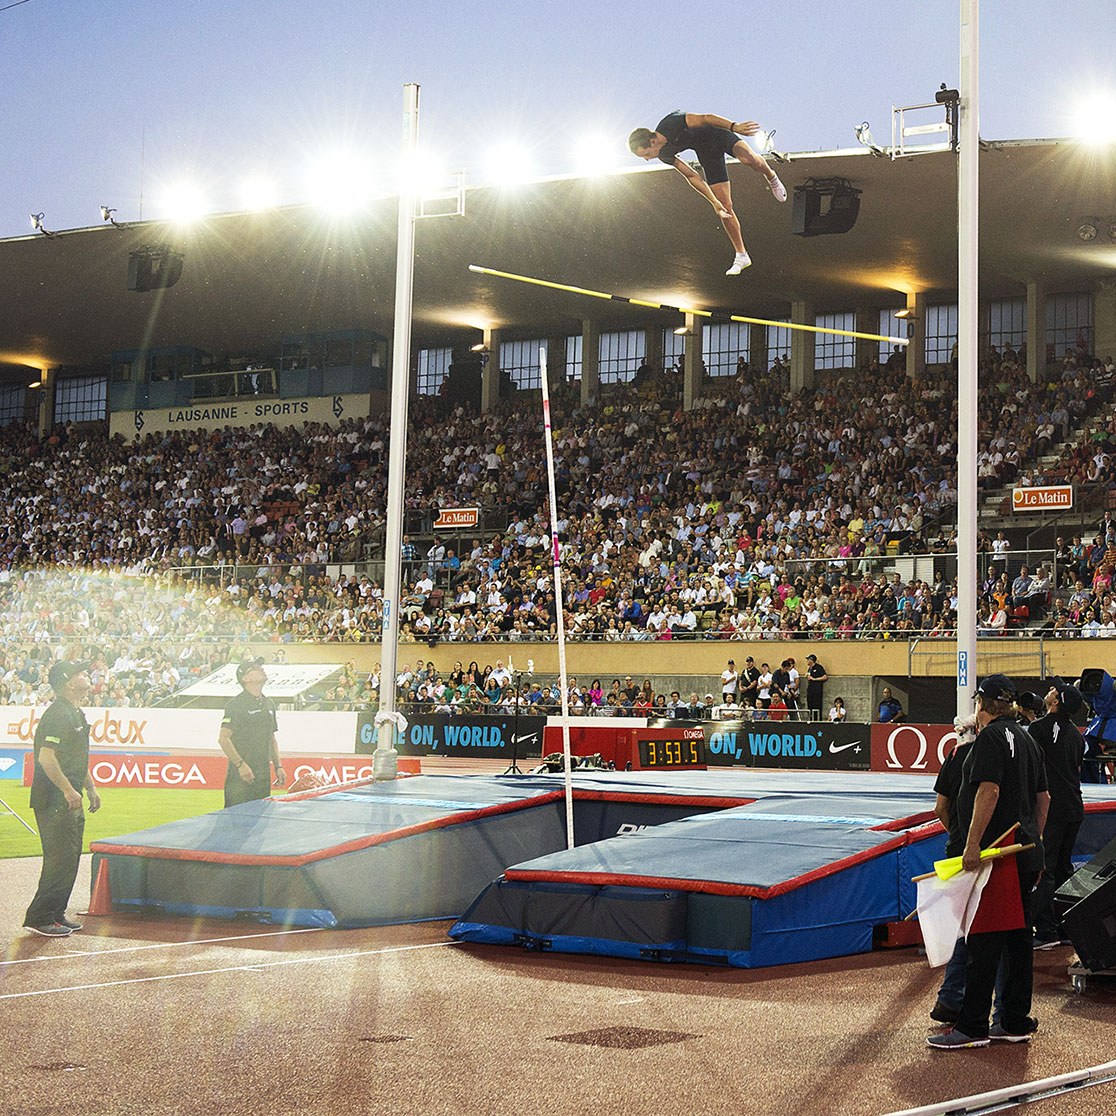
[70,954]
[226,969]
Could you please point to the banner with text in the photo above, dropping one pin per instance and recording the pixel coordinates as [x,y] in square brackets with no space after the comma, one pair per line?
[786,744]
[185,729]
[441,734]
[213,415]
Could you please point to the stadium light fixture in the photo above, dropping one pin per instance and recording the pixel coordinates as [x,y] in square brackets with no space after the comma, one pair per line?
[863,133]
[184,203]
[107,215]
[1095,118]
[509,165]
[906,312]
[37,224]
[341,184]
[257,193]
[595,156]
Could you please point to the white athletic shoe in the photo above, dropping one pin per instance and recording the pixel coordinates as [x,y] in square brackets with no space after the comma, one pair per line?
[739,262]
[778,190]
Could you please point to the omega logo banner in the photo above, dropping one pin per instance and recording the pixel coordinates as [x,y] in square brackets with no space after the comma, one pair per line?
[920,749]
[440,734]
[815,745]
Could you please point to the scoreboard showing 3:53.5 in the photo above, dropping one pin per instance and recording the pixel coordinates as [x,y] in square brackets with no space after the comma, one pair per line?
[679,750]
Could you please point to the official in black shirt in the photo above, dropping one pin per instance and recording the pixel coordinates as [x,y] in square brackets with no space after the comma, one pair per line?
[1003,783]
[248,738]
[61,774]
[816,678]
[1062,748]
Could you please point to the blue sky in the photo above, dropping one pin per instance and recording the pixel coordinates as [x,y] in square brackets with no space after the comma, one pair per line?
[223,91]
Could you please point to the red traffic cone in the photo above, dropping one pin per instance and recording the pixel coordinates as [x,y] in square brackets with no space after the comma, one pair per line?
[100,902]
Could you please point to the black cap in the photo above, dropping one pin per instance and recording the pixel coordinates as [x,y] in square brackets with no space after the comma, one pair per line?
[1069,696]
[997,687]
[62,672]
[1031,702]
[246,667]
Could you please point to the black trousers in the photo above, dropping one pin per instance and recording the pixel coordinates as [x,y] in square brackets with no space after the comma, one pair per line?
[1016,948]
[60,831]
[1058,838]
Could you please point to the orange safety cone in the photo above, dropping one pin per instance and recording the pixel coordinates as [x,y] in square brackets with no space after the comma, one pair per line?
[100,902]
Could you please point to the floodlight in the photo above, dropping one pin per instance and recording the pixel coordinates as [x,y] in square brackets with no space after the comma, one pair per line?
[37,224]
[906,312]
[257,192]
[863,133]
[341,184]
[1095,118]
[184,202]
[509,165]
[594,155]
[107,214]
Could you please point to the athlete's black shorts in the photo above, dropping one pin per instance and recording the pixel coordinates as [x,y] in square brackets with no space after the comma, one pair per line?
[714,145]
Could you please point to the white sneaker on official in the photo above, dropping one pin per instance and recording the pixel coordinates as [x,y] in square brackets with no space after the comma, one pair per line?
[739,262]
[778,190]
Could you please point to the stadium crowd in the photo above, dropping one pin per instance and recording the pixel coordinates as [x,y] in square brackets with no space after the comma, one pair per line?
[757,515]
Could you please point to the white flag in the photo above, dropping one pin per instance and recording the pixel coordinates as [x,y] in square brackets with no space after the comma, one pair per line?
[946,909]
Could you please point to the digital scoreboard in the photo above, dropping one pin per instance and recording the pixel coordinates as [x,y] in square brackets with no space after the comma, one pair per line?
[681,749]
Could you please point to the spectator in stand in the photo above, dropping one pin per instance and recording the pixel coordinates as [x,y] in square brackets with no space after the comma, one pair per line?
[837,711]
[816,679]
[891,710]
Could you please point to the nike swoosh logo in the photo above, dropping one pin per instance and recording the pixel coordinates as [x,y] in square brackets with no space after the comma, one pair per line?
[843,747]
[529,736]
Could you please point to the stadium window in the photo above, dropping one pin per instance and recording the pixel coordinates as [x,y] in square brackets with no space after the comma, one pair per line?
[1007,323]
[573,357]
[520,361]
[81,399]
[433,367]
[621,354]
[941,333]
[778,344]
[722,344]
[891,326]
[12,404]
[674,348]
[1069,324]
[831,350]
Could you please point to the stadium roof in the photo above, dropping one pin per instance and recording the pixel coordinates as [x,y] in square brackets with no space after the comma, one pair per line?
[250,279]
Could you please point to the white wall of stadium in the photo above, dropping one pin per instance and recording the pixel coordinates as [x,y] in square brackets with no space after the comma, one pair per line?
[193,730]
[215,415]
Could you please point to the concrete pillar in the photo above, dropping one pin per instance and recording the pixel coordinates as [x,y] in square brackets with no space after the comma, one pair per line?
[916,331]
[867,321]
[692,366]
[45,393]
[653,348]
[757,350]
[556,366]
[1036,331]
[590,360]
[1104,319]
[490,373]
[803,346]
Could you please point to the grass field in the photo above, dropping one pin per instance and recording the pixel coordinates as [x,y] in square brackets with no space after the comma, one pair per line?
[123,810]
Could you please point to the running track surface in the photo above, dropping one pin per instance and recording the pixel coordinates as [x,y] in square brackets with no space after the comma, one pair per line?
[151,1016]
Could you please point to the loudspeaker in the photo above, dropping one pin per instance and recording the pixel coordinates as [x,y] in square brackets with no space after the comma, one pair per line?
[1086,905]
[823,206]
[154,269]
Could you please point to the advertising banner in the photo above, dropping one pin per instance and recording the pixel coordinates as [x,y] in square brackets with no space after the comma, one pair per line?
[445,735]
[11,763]
[804,745]
[920,749]
[194,730]
[114,769]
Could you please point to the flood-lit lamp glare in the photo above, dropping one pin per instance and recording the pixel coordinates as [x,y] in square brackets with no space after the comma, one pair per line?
[258,193]
[184,202]
[764,141]
[681,330]
[341,184]
[595,155]
[423,173]
[37,223]
[508,165]
[1095,118]
[906,312]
